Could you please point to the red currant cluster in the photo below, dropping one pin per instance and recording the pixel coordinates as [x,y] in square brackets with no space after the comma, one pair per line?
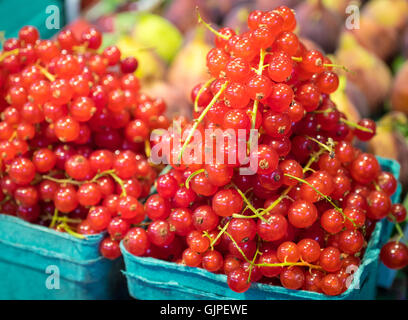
[304,218]
[72,135]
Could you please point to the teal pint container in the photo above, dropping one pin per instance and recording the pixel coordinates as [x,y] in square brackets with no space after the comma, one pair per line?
[153,279]
[45,15]
[39,263]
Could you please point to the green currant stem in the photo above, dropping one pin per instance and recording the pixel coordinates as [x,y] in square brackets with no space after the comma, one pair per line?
[206,234]
[200,92]
[276,202]
[251,266]
[148,148]
[54,218]
[8,53]
[13,136]
[68,220]
[222,230]
[71,232]
[355,125]
[120,182]
[376,186]
[328,199]
[101,174]
[256,102]
[191,176]
[114,176]
[249,205]
[325,111]
[200,119]
[297,59]
[62,181]
[289,264]
[46,73]
[62,219]
[332,65]
[328,148]
[238,248]
[208,26]
[312,159]
[309,169]
[6,198]
[401,234]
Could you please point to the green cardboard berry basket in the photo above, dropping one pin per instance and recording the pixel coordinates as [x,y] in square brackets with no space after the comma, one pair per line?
[38,263]
[153,279]
[16,14]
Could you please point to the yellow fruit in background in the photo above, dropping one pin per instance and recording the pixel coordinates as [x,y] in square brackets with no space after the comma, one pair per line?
[150,66]
[343,102]
[159,34]
[189,66]
[370,74]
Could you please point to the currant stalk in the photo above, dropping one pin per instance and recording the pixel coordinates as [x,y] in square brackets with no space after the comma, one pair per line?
[200,119]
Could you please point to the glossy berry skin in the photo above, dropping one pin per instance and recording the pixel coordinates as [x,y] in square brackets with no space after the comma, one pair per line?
[288,252]
[125,164]
[118,228]
[78,167]
[205,219]
[65,199]
[130,208]
[201,186]
[269,258]
[67,129]
[292,278]
[199,243]
[212,261]
[192,258]
[313,281]
[368,124]
[237,280]
[330,259]
[387,182]
[331,285]
[136,241]
[157,208]
[29,213]
[264,160]
[181,220]
[398,212]
[89,194]
[332,221]
[44,160]
[99,218]
[227,202]
[365,168]
[110,249]
[379,205]
[302,214]
[351,241]
[22,171]
[274,229]
[394,255]
[309,250]
[26,196]
[242,230]
[166,186]
[183,197]
[160,233]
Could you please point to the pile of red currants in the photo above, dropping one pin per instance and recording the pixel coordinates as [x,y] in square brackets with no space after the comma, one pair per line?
[305,215]
[72,135]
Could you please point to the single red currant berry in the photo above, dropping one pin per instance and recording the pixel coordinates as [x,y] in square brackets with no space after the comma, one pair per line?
[110,249]
[99,218]
[136,241]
